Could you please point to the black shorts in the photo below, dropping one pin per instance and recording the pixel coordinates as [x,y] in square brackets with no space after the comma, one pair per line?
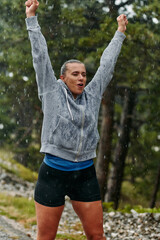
[53,185]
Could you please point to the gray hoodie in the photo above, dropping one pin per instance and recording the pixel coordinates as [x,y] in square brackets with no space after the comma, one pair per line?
[69,127]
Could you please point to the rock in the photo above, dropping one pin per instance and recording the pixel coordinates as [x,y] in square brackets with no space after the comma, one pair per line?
[156,216]
[112,214]
[117,226]
[134,213]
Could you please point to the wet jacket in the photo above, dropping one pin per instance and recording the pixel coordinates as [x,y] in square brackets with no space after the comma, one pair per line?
[69,127]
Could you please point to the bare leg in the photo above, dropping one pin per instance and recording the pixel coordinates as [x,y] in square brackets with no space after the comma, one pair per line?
[47,221]
[91,216]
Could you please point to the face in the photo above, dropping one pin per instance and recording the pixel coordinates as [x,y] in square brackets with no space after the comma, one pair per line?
[75,78]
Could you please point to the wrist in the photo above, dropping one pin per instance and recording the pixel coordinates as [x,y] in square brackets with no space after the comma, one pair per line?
[121,29]
[30,15]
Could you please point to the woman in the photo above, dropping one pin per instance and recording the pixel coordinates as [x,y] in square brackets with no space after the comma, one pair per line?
[69,133]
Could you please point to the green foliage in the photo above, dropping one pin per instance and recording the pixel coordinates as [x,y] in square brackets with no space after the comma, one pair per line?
[18,208]
[12,166]
[108,206]
[82,29]
[23,211]
[139,209]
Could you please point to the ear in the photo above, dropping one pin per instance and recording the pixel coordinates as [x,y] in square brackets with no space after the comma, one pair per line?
[62,78]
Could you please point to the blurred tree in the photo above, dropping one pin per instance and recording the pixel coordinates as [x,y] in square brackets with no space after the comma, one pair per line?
[136,56]
[156,189]
[145,62]
[116,174]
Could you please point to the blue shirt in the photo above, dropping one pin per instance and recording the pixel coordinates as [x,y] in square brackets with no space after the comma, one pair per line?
[65,165]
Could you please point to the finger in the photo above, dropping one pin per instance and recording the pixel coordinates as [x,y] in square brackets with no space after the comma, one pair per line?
[126,21]
[118,18]
[35,2]
[122,16]
[28,3]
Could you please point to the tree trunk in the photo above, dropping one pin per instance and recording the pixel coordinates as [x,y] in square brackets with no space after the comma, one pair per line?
[116,176]
[104,149]
[156,187]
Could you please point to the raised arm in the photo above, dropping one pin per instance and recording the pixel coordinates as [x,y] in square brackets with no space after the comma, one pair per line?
[108,60]
[45,76]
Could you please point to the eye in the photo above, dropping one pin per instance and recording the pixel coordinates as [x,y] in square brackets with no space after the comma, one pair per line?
[75,74]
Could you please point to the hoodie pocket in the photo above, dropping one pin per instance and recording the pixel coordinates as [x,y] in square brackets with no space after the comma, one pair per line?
[91,137]
[92,141]
[64,134]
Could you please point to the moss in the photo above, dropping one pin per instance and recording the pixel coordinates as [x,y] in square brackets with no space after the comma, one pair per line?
[108,206]
[11,166]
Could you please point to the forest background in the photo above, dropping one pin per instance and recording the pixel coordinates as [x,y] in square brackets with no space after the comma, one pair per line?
[128,154]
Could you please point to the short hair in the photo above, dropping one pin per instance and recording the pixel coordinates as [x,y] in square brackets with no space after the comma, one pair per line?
[64,66]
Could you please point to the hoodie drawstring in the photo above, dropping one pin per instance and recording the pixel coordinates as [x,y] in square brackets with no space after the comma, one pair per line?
[69,109]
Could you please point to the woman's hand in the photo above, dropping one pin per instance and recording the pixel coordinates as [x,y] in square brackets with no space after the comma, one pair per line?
[122,23]
[31,7]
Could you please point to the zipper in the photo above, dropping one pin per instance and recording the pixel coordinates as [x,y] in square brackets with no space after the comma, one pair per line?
[69,109]
[82,134]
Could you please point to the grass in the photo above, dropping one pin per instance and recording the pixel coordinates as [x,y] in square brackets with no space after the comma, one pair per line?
[108,207]
[70,237]
[18,208]
[11,166]
[23,211]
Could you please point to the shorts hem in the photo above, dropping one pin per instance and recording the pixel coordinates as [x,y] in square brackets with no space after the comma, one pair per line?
[36,199]
[93,199]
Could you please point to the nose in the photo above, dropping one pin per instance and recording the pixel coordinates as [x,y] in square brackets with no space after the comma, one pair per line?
[81,77]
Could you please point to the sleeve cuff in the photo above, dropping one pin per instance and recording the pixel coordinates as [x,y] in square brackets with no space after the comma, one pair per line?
[120,36]
[32,23]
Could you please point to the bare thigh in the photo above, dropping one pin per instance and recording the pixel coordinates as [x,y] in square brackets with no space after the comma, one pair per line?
[91,216]
[47,221]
